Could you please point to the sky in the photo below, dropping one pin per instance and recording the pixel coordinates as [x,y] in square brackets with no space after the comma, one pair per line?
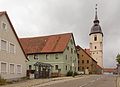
[46,17]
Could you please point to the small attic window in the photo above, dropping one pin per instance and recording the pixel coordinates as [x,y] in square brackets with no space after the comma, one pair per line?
[4,25]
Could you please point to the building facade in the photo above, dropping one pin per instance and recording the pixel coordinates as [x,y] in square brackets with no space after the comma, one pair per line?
[96,42]
[86,62]
[12,56]
[57,50]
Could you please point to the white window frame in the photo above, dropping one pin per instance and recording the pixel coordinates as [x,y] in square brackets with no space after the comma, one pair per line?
[17,69]
[6,45]
[14,68]
[14,47]
[6,67]
[2,25]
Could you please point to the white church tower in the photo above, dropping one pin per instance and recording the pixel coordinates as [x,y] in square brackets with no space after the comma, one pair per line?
[96,41]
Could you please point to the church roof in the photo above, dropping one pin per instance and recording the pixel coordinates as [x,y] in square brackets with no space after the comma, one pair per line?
[96,27]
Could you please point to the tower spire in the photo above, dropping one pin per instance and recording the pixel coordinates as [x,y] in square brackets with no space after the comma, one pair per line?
[96,17]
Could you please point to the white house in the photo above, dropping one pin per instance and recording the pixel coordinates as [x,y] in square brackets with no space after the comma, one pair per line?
[12,56]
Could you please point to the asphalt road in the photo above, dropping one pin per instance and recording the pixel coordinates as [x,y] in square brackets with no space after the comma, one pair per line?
[89,81]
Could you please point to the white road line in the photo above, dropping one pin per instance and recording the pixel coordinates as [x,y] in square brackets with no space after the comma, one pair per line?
[91,82]
[83,85]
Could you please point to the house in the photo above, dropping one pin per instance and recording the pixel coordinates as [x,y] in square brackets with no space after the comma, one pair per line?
[109,70]
[12,56]
[58,50]
[85,62]
[99,70]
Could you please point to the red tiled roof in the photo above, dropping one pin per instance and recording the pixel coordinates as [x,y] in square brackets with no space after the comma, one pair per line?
[46,44]
[99,67]
[109,69]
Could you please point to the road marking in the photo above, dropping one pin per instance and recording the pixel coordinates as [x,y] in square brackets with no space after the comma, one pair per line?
[83,85]
[91,82]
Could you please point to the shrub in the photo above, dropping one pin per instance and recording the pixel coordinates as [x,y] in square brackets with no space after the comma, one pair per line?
[69,73]
[2,81]
[75,73]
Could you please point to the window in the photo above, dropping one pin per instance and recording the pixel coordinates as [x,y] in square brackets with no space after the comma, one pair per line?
[19,69]
[82,55]
[95,47]
[66,67]
[91,45]
[12,48]
[82,68]
[56,56]
[87,67]
[3,67]
[66,57]
[87,61]
[46,57]
[30,67]
[71,50]
[56,67]
[71,41]
[12,68]
[82,61]
[4,26]
[36,57]
[100,44]
[78,61]
[78,68]
[95,38]
[67,47]
[3,45]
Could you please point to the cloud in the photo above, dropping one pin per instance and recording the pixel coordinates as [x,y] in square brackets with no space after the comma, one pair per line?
[44,17]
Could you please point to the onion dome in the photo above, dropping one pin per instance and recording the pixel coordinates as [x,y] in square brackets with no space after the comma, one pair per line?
[96,27]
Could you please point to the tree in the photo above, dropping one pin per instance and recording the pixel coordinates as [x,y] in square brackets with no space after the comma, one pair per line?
[118,58]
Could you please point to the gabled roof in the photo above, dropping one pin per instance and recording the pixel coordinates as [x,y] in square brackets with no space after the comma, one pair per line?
[5,13]
[79,48]
[46,44]
[88,51]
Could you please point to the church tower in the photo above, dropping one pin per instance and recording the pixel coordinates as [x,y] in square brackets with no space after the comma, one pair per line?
[96,41]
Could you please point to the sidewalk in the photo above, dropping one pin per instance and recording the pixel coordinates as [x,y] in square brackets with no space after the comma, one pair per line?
[118,81]
[35,82]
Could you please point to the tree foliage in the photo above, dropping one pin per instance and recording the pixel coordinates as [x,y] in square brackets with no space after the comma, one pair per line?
[118,58]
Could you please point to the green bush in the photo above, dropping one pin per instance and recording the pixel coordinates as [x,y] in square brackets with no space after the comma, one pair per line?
[69,73]
[75,73]
[2,81]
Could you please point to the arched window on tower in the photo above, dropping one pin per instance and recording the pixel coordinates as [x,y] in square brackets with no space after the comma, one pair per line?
[95,47]
[95,38]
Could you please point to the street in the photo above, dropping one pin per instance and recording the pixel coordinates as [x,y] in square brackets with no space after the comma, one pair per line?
[89,81]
